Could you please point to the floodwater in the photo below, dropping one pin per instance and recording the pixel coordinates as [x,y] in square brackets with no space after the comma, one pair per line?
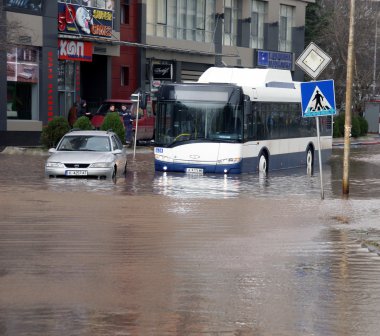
[171,254]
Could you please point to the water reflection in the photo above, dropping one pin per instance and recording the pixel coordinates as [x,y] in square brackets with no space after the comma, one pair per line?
[173,254]
[26,171]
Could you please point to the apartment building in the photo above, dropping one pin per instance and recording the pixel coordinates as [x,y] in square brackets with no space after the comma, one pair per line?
[66,50]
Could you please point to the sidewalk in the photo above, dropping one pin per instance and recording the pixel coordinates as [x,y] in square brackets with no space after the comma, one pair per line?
[42,151]
[370,139]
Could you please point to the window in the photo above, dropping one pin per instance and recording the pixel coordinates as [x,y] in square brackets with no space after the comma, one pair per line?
[227,20]
[124,12]
[22,82]
[230,22]
[181,19]
[257,23]
[124,76]
[161,11]
[30,5]
[285,28]
[161,17]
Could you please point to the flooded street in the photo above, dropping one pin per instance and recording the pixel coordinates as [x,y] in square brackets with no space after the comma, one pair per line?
[173,254]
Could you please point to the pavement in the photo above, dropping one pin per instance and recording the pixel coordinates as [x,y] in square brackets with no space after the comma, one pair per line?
[43,151]
[370,139]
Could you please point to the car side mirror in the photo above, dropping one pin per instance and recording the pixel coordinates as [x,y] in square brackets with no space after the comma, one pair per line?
[117,151]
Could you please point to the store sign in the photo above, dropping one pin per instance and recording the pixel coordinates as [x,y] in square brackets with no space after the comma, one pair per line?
[162,71]
[275,59]
[50,85]
[74,50]
[82,20]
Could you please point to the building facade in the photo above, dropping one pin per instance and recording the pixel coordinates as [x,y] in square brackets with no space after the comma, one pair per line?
[60,52]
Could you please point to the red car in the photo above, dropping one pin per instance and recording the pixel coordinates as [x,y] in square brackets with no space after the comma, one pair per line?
[145,129]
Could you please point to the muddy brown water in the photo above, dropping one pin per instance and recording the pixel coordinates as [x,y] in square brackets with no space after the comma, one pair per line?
[170,254]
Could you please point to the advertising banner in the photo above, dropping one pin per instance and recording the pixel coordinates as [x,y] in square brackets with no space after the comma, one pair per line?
[84,21]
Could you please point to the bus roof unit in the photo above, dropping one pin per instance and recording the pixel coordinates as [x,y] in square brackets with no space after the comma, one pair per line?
[256,83]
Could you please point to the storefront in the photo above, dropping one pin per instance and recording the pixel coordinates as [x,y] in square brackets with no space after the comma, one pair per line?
[83,29]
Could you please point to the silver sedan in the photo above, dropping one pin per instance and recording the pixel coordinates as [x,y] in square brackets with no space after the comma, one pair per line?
[87,154]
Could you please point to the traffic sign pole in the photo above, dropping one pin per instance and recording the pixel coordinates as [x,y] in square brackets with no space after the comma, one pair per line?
[313,61]
[320,159]
[137,124]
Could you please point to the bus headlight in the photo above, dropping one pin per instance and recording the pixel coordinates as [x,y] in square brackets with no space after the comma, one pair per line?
[228,161]
[163,158]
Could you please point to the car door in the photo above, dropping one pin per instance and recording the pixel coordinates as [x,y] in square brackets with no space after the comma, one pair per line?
[121,159]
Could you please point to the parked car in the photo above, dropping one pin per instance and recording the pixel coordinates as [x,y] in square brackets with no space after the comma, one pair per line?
[146,121]
[87,154]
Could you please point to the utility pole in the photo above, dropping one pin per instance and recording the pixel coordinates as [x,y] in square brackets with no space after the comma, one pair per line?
[347,122]
[375,60]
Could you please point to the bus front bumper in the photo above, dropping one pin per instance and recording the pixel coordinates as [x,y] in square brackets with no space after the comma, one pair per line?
[197,168]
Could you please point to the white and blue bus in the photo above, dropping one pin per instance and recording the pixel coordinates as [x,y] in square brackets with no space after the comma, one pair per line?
[236,120]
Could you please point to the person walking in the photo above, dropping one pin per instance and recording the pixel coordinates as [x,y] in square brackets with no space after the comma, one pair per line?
[83,110]
[73,115]
[128,123]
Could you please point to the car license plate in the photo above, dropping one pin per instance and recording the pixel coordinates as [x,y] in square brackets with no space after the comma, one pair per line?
[76,172]
[194,170]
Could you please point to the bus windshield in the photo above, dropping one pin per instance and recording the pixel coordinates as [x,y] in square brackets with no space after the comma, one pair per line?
[179,121]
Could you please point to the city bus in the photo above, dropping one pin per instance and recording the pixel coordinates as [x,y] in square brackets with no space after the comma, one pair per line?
[236,120]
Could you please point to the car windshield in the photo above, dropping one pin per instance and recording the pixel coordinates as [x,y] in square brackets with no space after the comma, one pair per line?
[104,108]
[85,143]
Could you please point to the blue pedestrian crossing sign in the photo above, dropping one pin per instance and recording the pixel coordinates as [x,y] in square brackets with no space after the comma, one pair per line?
[318,98]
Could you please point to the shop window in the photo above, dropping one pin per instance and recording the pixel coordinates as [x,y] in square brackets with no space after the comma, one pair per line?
[22,82]
[124,76]
[124,11]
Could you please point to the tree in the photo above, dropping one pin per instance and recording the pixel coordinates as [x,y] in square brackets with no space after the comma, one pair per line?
[327,26]
[10,30]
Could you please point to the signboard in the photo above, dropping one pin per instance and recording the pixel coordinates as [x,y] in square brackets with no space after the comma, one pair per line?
[274,59]
[162,71]
[82,20]
[74,50]
[318,98]
[313,60]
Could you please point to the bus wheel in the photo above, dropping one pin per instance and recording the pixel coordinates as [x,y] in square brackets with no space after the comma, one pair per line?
[309,158]
[263,164]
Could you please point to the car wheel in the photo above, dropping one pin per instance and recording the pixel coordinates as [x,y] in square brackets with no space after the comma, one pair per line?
[114,173]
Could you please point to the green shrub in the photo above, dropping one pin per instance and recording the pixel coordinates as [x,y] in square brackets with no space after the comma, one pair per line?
[83,123]
[338,130]
[359,126]
[355,127]
[112,122]
[54,131]
[363,126]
